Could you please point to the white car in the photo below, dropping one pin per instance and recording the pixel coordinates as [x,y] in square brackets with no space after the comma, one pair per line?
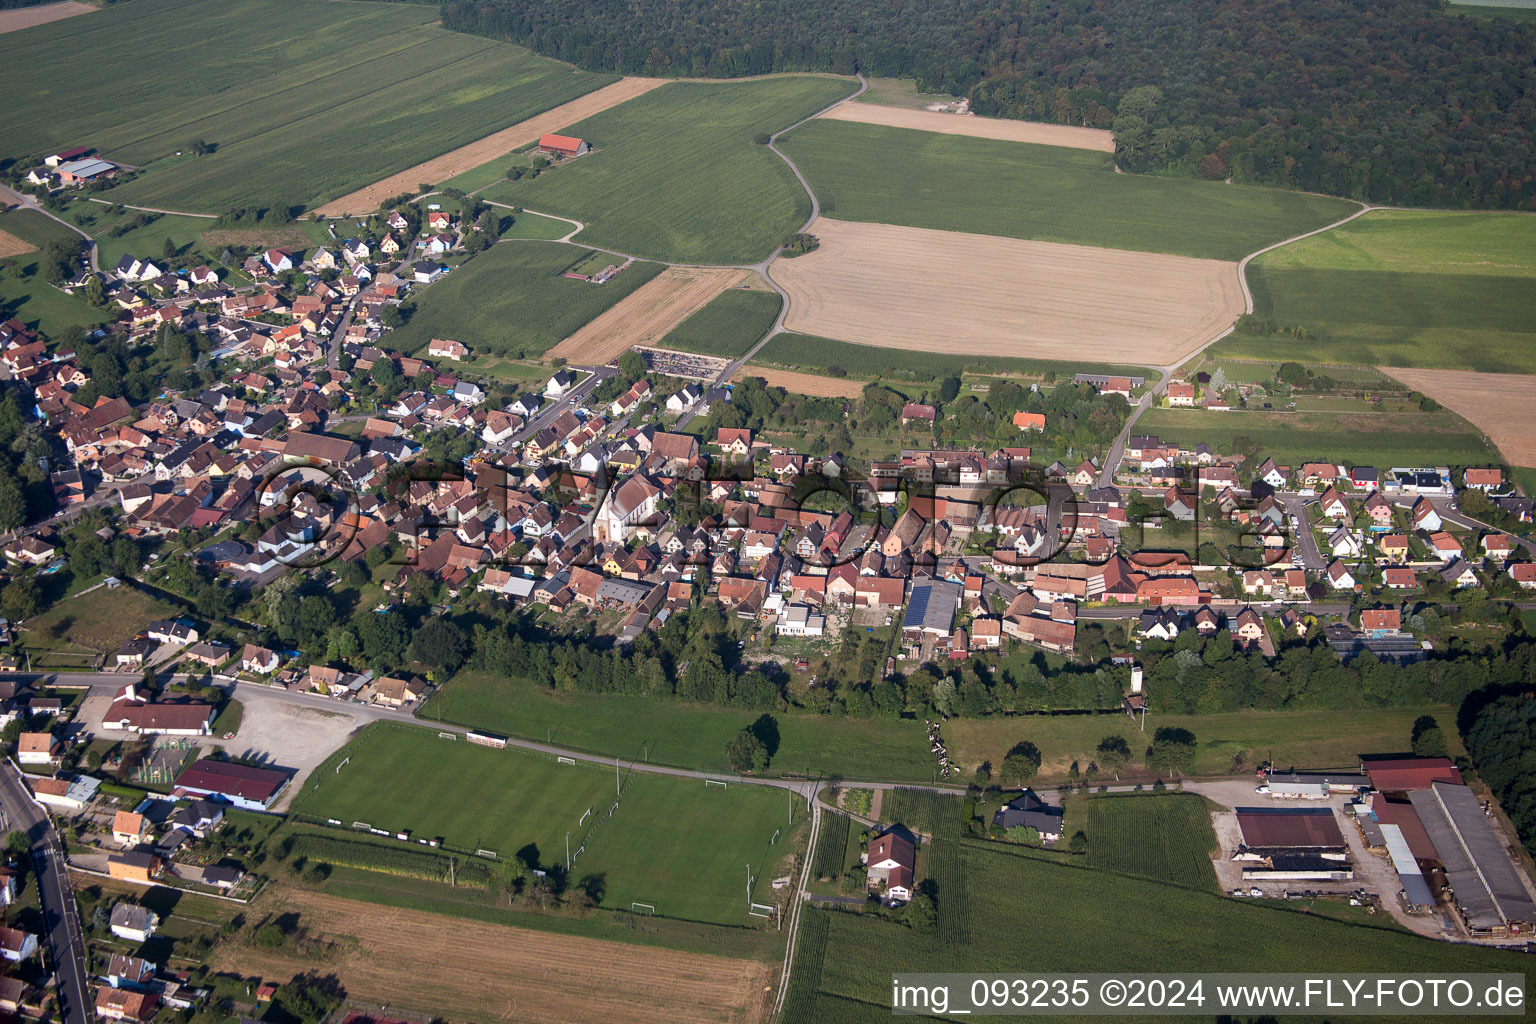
[1261,789]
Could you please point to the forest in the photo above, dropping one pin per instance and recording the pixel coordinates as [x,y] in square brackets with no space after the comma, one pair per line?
[1395,103]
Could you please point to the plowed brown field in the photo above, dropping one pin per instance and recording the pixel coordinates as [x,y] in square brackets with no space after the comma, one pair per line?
[10,245]
[647,315]
[1501,405]
[946,291]
[26,17]
[978,127]
[465,158]
[468,970]
[805,383]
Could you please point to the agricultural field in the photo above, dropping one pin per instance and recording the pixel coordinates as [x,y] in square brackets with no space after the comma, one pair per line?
[512,300]
[1359,438]
[729,325]
[677,733]
[1163,836]
[1155,924]
[919,289]
[18,18]
[675,175]
[1503,405]
[492,148]
[333,96]
[476,970]
[917,119]
[34,229]
[1408,288]
[804,383]
[811,353]
[647,315]
[1046,193]
[901,92]
[524,805]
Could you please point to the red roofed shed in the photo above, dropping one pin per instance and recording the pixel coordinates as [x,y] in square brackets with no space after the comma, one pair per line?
[1404,774]
[562,145]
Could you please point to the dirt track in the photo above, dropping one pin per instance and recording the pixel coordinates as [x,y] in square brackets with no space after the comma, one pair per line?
[10,246]
[26,17]
[977,127]
[1501,405]
[440,169]
[461,969]
[946,291]
[647,315]
[805,383]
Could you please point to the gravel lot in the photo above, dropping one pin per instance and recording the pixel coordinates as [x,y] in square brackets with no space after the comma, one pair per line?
[289,736]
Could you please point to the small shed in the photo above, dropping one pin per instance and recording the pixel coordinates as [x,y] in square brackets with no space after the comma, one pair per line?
[562,145]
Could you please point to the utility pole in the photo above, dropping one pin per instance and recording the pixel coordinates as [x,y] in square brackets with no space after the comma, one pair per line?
[567,852]
[749,884]
[615,778]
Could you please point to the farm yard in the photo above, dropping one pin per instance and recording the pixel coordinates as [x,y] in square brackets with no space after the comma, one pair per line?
[1358,437]
[1502,405]
[18,18]
[1071,136]
[1411,288]
[494,147]
[914,288]
[647,315]
[675,844]
[512,300]
[482,971]
[333,96]
[674,174]
[729,325]
[887,175]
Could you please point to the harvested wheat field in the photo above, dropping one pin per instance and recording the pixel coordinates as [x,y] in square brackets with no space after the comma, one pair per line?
[647,315]
[441,168]
[805,383]
[461,969]
[26,17]
[10,246]
[1501,405]
[999,128]
[945,291]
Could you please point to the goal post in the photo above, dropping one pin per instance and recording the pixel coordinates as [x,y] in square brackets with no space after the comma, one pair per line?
[713,782]
[642,908]
[565,760]
[762,909]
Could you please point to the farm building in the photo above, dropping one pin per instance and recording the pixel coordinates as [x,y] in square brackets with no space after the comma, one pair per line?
[245,786]
[562,145]
[1406,774]
[1291,844]
[1485,884]
[931,607]
[81,171]
[1313,785]
[890,862]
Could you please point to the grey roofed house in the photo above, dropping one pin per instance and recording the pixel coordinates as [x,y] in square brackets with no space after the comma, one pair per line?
[1028,811]
[131,915]
[931,606]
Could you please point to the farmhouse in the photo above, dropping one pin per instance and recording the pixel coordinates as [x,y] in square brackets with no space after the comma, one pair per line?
[562,145]
[1029,811]
[889,863]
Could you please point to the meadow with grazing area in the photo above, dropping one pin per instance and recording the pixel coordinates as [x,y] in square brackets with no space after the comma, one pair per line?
[1087,916]
[1502,405]
[1413,288]
[729,326]
[512,300]
[647,315]
[675,174]
[1358,438]
[1048,193]
[697,838]
[302,101]
[944,291]
[479,970]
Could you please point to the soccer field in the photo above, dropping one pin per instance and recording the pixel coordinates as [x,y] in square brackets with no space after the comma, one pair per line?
[675,844]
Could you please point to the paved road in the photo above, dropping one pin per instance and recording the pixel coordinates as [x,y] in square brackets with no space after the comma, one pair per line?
[61,920]
[28,202]
[1312,556]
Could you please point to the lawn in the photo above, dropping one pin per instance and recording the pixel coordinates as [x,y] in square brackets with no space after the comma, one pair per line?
[1047,193]
[512,300]
[1024,913]
[531,225]
[729,326]
[304,101]
[23,292]
[698,839]
[1402,288]
[102,620]
[813,354]
[675,174]
[1358,438]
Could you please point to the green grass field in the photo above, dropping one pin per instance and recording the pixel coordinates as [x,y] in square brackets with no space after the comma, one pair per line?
[23,292]
[102,620]
[675,174]
[1403,288]
[813,354]
[511,300]
[1049,193]
[1024,913]
[1360,438]
[305,101]
[36,229]
[1163,836]
[677,844]
[531,225]
[729,325]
